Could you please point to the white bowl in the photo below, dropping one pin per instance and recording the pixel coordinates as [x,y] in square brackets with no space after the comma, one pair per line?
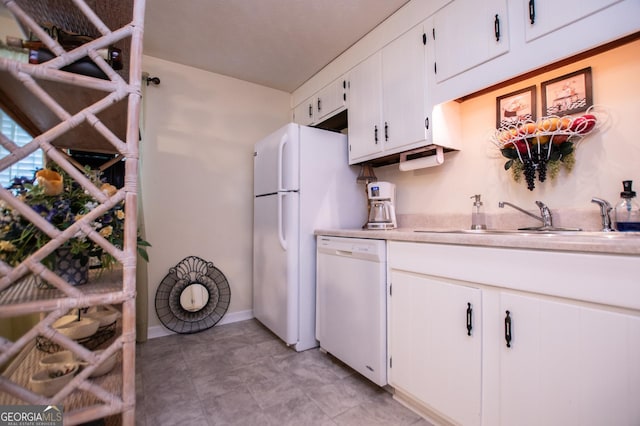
[104,317]
[106,366]
[49,381]
[62,357]
[75,329]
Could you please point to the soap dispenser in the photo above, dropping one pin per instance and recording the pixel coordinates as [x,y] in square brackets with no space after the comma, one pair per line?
[627,211]
[477,215]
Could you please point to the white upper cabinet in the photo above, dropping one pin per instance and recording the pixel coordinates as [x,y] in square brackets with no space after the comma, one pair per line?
[477,44]
[388,99]
[329,101]
[544,16]
[465,63]
[304,113]
[404,90]
[365,109]
[467,33]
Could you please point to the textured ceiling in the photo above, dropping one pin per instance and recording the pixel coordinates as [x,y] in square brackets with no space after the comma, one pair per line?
[274,43]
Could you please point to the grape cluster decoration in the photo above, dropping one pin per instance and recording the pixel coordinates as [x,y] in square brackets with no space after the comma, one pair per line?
[541,147]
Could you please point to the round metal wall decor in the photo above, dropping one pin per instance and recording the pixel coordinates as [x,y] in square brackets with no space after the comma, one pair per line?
[193,296]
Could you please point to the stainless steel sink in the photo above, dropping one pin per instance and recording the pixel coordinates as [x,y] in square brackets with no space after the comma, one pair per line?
[535,232]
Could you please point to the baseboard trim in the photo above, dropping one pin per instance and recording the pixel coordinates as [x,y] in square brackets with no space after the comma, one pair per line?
[420,409]
[156,331]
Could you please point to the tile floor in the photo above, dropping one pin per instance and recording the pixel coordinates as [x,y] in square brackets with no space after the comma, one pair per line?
[241,374]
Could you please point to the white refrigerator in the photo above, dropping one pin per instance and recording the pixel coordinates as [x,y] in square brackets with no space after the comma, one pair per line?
[302,182]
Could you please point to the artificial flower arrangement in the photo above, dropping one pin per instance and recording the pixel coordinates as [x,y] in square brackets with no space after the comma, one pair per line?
[543,146]
[61,201]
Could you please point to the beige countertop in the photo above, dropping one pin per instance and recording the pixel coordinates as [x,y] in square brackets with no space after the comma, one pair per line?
[623,243]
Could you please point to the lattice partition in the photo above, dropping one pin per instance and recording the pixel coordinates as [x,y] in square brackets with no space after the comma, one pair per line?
[74,111]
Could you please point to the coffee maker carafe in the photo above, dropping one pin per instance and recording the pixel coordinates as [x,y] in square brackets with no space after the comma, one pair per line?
[382,213]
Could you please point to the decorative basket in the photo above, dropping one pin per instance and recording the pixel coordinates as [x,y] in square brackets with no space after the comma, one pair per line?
[95,340]
[541,147]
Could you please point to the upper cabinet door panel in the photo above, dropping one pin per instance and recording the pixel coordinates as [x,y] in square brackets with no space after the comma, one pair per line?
[304,113]
[467,33]
[545,16]
[366,133]
[404,89]
[331,100]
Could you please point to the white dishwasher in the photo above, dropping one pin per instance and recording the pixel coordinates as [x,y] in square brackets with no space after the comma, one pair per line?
[351,307]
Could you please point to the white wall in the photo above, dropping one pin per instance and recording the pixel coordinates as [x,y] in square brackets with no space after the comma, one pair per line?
[603,159]
[8,27]
[197,171]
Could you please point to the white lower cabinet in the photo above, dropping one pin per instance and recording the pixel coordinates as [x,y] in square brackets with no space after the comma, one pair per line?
[568,364]
[435,344]
[543,349]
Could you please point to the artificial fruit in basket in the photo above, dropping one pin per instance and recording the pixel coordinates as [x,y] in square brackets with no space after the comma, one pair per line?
[583,124]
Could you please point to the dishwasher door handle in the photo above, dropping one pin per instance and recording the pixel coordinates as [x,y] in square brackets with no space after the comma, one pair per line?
[344,253]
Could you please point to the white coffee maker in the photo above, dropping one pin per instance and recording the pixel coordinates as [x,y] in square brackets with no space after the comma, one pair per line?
[382,212]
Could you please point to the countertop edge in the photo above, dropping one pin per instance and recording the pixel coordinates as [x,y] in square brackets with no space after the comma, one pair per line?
[602,245]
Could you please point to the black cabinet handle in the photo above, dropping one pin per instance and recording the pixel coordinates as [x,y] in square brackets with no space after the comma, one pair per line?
[496,27]
[426,123]
[507,329]
[424,38]
[532,11]
[375,133]
[319,103]
[386,132]
[310,110]
[469,319]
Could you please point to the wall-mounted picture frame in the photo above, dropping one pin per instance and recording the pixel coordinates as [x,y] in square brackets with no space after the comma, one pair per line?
[516,106]
[568,94]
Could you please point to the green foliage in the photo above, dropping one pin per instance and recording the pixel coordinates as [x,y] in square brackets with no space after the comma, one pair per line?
[21,238]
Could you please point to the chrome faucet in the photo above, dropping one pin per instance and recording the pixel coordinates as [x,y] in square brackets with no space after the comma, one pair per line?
[545,213]
[605,209]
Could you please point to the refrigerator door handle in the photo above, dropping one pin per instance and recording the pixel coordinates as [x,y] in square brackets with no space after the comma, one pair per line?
[281,238]
[283,141]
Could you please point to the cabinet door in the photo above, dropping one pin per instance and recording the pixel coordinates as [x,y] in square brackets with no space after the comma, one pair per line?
[404,90]
[331,100]
[568,364]
[467,33]
[545,16]
[434,357]
[304,113]
[366,133]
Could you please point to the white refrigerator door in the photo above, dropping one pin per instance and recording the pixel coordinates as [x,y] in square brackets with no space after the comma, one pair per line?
[275,264]
[276,162]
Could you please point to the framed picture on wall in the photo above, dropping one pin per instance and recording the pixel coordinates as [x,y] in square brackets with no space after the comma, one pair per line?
[568,94]
[516,106]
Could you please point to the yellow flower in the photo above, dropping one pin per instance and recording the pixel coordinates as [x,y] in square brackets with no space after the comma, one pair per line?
[108,189]
[120,214]
[7,246]
[50,180]
[106,231]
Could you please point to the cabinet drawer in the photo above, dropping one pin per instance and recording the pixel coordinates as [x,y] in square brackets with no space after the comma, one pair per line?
[598,278]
